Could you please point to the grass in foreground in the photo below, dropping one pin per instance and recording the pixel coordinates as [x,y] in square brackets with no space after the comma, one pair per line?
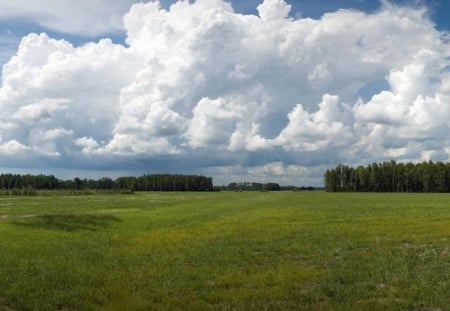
[287,250]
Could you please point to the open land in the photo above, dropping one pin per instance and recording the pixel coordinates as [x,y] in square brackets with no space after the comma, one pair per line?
[225,250]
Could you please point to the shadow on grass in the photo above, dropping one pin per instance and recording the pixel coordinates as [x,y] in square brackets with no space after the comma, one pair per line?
[68,222]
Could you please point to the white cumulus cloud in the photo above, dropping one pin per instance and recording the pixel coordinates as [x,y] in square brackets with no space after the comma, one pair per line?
[87,17]
[202,86]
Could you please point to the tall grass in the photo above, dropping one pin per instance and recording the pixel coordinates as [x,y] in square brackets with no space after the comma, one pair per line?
[62,192]
[225,250]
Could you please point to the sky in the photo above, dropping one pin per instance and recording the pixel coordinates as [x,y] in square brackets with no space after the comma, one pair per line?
[262,91]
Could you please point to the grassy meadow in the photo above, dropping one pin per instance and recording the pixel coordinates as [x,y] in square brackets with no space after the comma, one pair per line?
[225,251]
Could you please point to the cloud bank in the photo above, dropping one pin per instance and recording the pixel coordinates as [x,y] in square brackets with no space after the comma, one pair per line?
[201,88]
[81,17]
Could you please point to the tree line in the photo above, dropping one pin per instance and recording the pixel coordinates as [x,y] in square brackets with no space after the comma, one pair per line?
[158,182]
[251,186]
[389,177]
[254,186]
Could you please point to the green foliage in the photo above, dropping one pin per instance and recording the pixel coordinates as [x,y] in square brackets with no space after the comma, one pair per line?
[26,191]
[247,186]
[63,192]
[226,251]
[389,177]
[26,184]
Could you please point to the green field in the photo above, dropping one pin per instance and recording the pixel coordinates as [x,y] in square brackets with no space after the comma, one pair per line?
[225,250]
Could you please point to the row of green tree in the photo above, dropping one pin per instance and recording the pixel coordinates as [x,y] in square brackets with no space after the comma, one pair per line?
[389,177]
[251,186]
[159,182]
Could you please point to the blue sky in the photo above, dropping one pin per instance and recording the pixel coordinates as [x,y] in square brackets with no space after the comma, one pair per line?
[12,29]
[201,89]
[439,9]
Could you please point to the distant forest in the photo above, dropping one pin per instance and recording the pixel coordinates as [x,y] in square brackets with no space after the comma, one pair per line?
[253,186]
[248,186]
[389,177]
[159,182]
